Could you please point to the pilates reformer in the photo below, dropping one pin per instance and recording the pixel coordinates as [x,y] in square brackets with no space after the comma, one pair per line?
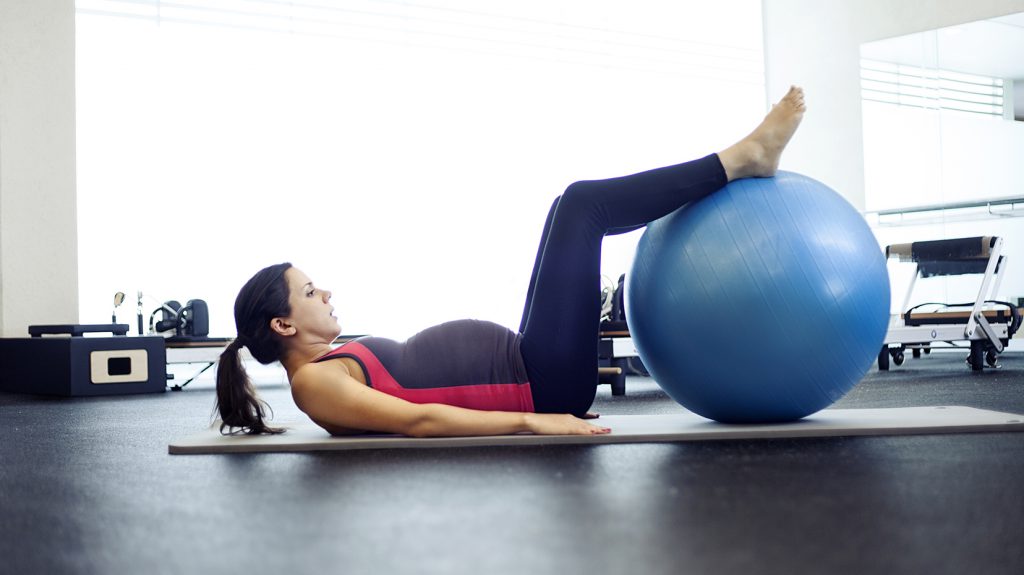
[617,356]
[205,351]
[986,328]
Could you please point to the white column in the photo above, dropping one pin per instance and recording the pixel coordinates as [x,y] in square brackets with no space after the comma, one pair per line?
[38,235]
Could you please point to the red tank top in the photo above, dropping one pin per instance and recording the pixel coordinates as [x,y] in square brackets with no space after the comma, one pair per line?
[466,363]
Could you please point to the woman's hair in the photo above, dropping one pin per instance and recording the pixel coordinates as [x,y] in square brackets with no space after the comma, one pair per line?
[262,298]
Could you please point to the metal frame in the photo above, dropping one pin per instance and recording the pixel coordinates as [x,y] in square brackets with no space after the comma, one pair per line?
[987,338]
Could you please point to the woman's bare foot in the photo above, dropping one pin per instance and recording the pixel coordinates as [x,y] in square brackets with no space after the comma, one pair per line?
[757,155]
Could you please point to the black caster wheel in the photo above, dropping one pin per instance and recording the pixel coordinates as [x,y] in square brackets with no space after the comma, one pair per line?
[976,359]
[916,353]
[897,356]
[992,358]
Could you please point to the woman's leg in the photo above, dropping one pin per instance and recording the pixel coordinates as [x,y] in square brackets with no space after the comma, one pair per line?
[536,265]
[560,325]
[540,252]
[562,316]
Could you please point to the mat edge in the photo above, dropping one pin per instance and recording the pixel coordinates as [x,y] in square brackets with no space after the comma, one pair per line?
[541,440]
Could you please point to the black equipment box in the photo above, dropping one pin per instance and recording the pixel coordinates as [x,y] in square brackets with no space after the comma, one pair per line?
[80,366]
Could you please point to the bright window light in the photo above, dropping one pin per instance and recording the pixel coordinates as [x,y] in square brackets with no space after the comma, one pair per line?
[930,88]
[403,154]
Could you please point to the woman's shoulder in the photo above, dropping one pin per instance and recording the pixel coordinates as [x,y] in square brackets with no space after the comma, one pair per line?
[313,372]
[319,384]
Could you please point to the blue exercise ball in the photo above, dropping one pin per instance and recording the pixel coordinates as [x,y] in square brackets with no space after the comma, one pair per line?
[764,302]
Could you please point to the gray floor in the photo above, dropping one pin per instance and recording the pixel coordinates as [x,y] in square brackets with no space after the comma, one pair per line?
[87,486]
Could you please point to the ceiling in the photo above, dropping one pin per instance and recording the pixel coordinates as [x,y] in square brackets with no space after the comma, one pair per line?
[993,47]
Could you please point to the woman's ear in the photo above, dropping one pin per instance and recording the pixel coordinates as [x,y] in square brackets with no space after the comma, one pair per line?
[282,327]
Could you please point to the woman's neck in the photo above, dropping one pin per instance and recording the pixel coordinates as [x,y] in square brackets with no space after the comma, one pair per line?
[297,357]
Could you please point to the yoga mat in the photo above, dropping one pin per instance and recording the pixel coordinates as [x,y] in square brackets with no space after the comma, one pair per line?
[306,436]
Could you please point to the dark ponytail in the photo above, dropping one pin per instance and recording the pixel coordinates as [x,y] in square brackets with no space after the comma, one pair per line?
[262,298]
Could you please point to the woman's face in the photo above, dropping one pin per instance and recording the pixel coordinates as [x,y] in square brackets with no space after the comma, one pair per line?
[312,313]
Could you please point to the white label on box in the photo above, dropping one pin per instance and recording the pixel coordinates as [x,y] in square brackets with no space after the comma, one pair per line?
[119,366]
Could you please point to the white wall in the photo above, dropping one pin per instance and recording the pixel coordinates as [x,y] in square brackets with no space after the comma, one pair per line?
[816,44]
[38,238]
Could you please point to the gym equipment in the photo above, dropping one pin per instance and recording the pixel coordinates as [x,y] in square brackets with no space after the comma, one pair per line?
[189,321]
[305,436]
[986,328]
[617,356]
[784,265]
[80,366]
[118,300]
[191,350]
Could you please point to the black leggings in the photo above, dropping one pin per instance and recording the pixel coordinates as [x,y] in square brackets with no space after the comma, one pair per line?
[562,316]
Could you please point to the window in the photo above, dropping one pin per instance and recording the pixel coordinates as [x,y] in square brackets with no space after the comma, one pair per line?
[404,154]
[931,88]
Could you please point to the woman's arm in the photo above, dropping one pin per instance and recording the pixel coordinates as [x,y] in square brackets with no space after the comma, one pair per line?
[445,420]
[335,400]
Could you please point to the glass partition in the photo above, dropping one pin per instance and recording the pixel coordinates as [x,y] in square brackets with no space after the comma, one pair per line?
[943,121]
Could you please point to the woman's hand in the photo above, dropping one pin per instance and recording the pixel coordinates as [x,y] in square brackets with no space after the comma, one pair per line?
[561,424]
